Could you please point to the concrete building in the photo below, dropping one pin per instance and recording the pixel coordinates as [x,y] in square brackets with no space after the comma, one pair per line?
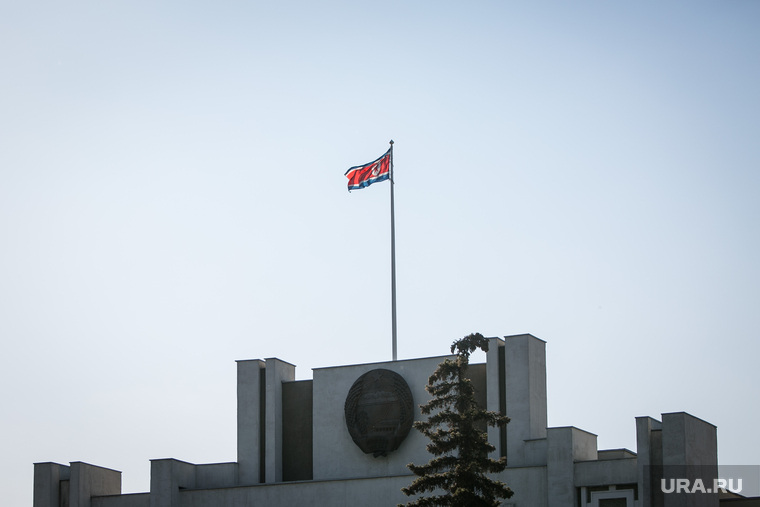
[294,447]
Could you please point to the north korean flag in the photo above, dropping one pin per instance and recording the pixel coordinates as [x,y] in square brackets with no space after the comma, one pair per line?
[361,176]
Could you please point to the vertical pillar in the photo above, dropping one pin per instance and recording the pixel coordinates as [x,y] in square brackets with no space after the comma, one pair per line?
[648,455]
[525,385]
[167,476]
[495,390]
[688,440]
[564,447]
[249,413]
[559,467]
[47,483]
[90,480]
[277,372]
[689,451]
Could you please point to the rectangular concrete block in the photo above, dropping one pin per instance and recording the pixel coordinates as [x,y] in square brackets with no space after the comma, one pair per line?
[47,478]
[167,476]
[216,475]
[525,388]
[249,421]
[564,447]
[689,452]
[90,480]
[277,372]
[688,440]
[496,401]
[335,455]
[648,453]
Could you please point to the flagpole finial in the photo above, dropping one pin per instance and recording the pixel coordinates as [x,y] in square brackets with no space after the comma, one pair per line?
[391,142]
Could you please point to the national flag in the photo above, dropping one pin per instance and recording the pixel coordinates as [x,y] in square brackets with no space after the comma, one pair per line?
[361,176]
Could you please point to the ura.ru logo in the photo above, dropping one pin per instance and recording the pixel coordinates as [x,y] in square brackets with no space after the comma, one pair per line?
[698,486]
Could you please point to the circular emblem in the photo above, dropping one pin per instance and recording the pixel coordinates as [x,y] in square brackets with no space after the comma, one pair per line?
[375,169]
[379,411]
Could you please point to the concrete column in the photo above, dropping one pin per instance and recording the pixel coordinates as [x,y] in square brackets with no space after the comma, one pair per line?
[648,455]
[689,451]
[525,384]
[90,480]
[564,447]
[495,390]
[559,467]
[688,440]
[166,477]
[249,427]
[277,372]
[47,480]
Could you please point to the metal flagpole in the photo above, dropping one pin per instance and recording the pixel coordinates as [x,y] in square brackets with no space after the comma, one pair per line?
[393,264]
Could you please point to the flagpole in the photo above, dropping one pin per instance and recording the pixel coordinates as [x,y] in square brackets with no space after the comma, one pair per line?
[393,264]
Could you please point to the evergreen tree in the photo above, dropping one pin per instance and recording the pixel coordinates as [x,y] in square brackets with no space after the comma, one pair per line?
[457,475]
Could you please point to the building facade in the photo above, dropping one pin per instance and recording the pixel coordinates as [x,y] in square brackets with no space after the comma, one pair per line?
[295,448]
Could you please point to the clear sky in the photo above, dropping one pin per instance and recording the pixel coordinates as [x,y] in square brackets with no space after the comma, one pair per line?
[172,198]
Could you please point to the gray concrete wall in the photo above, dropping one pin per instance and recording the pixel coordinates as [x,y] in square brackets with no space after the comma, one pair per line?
[167,476]
[559,467]
[476,373]
[688,440]
[648,454]
[565,446]
[249,421]
[89,480]
[335,454]
[608,454]
[74,485]
[297,429]
[525,372]
[534,453]
[216,475]
[384,492]
[495,396]
[528,484]
[277,372]
[130,500]
[689,451]
[680,447]
[47,477]
[602,473]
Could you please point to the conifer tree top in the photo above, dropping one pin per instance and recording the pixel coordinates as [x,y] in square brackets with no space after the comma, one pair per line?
[458,474]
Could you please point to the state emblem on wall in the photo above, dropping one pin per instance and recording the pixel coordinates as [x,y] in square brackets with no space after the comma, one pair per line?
[379,411]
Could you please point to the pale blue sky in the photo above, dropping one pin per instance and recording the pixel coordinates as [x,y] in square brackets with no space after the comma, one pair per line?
[172,199]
